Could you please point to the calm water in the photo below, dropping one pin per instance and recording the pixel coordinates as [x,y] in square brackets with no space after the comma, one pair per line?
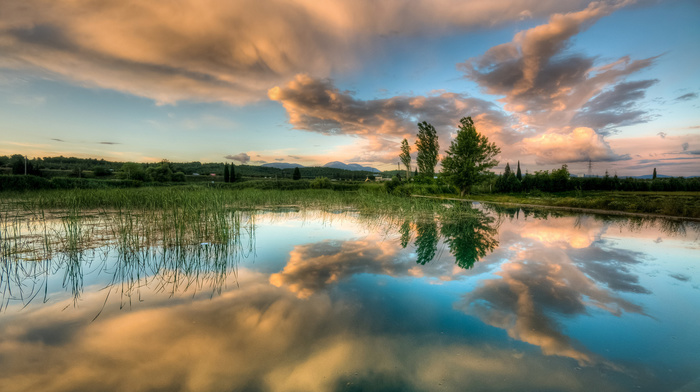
[310,301]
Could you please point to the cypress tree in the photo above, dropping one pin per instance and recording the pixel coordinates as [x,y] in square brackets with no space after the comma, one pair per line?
[226,175]
[507,172]
[518,173]
[297,174]
[232,174]
[653,177]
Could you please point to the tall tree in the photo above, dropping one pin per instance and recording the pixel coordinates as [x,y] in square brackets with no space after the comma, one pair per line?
[232,173]
[653,176]
[469,157]
[297,174]
[519,175]
[226,174]
[428,149]
[507,172]
[405,157]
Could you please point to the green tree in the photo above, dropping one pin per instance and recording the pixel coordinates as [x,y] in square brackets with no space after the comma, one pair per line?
[653,176]
[469,157]
[226,173]
[297,174]
[132,171]
[507,172]
[470,238]
[428,149]
[426,241]
[232,173]
[161,173]
[405,156]
[519,175]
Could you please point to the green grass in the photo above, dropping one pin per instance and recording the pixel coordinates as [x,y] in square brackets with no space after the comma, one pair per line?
[680,204]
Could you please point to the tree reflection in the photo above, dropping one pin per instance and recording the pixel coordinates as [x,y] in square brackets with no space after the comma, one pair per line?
[470,238]
[426,241]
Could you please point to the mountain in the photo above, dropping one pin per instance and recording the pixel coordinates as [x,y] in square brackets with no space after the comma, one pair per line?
[282,165]
[351,166]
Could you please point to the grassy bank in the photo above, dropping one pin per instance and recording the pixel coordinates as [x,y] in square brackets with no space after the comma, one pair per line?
[680,204]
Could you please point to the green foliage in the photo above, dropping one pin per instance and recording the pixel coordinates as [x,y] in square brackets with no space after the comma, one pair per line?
[653,176]
[20,165]
[519,174]
[469,157]
[297,174]
[178,177]
[428,149]
[320,183]
[405,156]
[161,173]
[132,171]
[226,173]
[101,171]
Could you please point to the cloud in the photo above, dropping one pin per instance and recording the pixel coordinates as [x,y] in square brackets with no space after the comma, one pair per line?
[685,146]
[687,97]
[243,158]
[58,140]
[549,89]
[223,51]
[662,135]
[294,156]
[318,106]
[579,145]
[109,143]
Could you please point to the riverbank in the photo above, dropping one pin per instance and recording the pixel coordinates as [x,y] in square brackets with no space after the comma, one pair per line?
[647,204]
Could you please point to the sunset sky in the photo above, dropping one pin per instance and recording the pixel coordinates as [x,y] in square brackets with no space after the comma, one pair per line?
[309,82]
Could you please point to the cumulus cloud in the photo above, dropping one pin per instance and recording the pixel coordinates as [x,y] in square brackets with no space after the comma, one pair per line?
[579,145]
[550,88]
[243,158]
[319,106]
[222,51]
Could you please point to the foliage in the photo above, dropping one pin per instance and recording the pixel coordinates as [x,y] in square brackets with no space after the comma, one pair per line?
[519,174]
[469,157]
[428,149]
[405,157]
[132,171]
[297,174]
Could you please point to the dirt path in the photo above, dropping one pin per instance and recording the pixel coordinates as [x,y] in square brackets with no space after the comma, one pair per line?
[575,209]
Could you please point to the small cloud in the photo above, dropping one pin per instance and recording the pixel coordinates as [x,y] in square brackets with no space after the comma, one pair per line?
[662,135]
[685,146]
[279,159]
[686,97]
[298,157]
[108,143]
[58,140]
[681,277]
[242,157]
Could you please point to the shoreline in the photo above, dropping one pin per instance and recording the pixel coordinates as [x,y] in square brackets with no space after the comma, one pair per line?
[565,208]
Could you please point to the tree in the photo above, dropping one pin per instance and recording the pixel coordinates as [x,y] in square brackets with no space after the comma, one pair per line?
[405,156]
[226,175]
[132,171]
[469,157]
[507,172]
[428,149]
[653,176]
[519,174]
[232,174]
[297,174]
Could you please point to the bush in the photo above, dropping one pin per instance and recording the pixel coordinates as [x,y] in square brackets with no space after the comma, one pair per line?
[320,183]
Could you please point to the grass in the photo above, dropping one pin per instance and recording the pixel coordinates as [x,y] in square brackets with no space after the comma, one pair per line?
[678,204]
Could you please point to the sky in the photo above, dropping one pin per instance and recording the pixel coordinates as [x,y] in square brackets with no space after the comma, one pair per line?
[616,82]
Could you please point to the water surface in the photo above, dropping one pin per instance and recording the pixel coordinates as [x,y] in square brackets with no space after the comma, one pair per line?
[310,301]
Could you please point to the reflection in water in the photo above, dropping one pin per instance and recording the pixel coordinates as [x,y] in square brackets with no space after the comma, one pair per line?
[555,302]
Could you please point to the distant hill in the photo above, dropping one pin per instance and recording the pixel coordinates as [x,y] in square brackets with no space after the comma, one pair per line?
[282,165]
[351,166]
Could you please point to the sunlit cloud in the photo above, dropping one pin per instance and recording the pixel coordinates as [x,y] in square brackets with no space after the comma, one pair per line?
[222,51]
[579,145]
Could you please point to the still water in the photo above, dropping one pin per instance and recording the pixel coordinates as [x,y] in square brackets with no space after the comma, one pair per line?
[310,301]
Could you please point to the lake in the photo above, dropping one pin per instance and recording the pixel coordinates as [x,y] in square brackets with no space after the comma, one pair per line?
[296,300]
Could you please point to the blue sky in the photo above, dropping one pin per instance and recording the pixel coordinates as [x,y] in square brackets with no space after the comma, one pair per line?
[253,82]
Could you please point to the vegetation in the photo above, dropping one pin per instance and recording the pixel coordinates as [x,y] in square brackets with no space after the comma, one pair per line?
[469,157]
[405,157]
[428,149]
